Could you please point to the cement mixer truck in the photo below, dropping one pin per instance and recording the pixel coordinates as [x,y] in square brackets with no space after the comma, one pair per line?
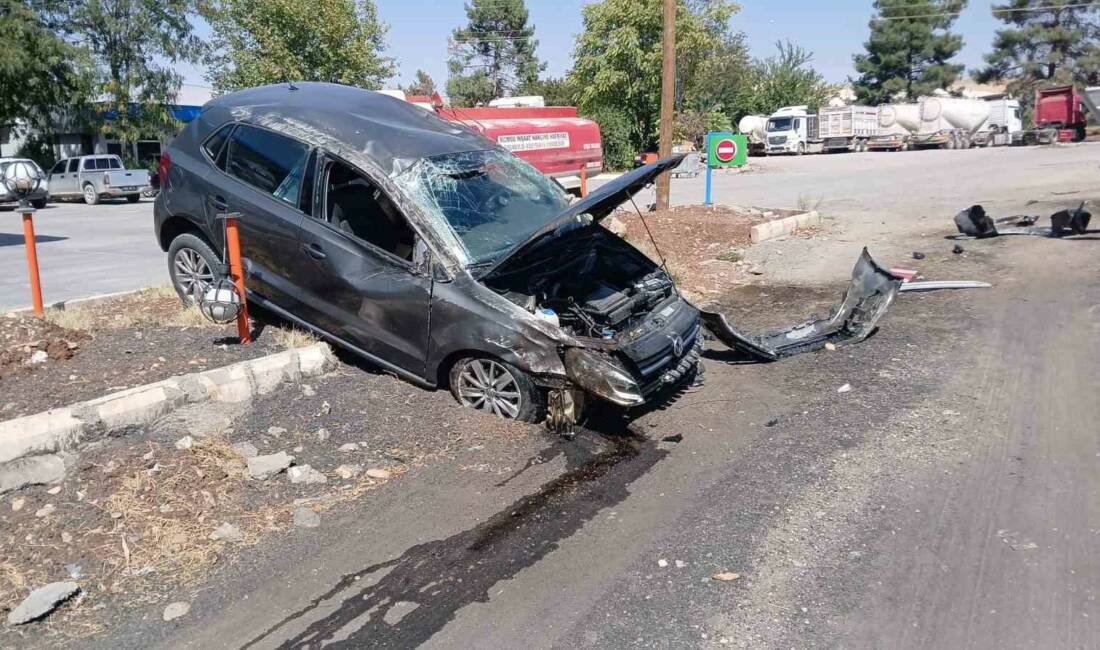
[896,125]
[949,122]
[755,130]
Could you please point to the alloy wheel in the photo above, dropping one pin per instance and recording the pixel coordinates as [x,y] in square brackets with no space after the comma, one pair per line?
[89,195]
[193,274]
[488,386]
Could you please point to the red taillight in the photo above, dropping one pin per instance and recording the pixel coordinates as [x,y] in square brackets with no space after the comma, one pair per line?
[165,165]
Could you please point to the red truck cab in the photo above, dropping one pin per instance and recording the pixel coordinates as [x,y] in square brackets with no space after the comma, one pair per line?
[1061,108]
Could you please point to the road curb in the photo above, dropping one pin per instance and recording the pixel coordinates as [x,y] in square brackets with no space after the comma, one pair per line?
[62,428]
[784,226]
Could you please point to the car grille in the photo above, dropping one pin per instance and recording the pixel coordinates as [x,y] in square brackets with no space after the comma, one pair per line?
[665,366]
[777,139]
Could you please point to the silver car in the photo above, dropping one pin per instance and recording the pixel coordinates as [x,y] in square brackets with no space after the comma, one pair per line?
[37,197]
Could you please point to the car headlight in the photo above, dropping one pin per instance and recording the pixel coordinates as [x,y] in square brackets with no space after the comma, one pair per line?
[602,377]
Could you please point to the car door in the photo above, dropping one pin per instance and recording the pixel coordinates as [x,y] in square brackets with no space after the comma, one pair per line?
[56,178]
[260,179]
[364,274]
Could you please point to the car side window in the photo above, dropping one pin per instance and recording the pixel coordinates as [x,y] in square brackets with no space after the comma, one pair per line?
[270,162]
[101,163]
[59,168]
[89,163]
[357,207]
[216,143]
[114,162]
[73,163]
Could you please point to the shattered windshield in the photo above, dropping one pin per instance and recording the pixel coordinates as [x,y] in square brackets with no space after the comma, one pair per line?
[489,200]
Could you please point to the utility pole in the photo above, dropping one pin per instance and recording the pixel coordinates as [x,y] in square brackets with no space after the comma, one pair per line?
[668,91]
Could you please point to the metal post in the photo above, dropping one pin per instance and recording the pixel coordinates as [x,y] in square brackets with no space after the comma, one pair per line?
[32,263]
[668,89]
[584,180]
[706,161]
[236,272]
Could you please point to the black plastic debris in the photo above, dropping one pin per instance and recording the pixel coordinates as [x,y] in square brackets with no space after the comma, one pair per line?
[869,295]
[974,222]
[917,255]
[1075,221]
[958,249]
[676,437]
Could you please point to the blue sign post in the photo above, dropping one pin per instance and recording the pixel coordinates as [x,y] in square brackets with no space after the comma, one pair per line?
[707,200]
[724,150]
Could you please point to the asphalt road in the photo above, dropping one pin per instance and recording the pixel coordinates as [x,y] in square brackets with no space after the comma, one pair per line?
[947,500]
[91,250]
[83,251]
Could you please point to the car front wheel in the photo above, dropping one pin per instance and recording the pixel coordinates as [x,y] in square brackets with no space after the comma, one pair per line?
[191,265]
[496,387]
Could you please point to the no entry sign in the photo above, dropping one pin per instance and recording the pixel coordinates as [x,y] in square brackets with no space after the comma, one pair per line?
[726,149]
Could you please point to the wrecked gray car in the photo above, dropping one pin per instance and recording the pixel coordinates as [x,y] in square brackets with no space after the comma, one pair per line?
[434,253]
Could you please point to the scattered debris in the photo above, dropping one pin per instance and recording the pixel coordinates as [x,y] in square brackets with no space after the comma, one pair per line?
[347,472]
[42,601]
[306,518]
[906,275]
[322,435]
[830,347]
[262,467]
[725,576]
[38,356]
[662,563]
[917,255]
[379,473]
[17,504]
[772,422]
[934,285]
[45,511]
[974,222]
[958,249]
[31,470]
[676,437]
[305,474]
[349,446]
[276,432]
[869,295]
[176,610]
[844,389]
[185,443]
[246,449]
[227,532]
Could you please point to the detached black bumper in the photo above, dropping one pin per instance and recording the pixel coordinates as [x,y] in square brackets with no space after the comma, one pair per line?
[868,297]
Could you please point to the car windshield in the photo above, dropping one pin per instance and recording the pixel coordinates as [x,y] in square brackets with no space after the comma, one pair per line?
[780,124]
[485,201]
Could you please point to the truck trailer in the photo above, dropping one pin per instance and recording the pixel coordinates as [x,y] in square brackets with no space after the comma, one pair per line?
[847,128]
[755,130]
[1002,127]
[896,125]
[949,122]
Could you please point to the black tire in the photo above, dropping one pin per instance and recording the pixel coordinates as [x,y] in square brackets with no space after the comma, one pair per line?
[189,249]
[91,198]
[133,198]
[38,203]
[529,398]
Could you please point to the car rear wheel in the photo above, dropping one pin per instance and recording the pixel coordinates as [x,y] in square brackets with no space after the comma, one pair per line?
[91,197]
[495,387]
[191,265]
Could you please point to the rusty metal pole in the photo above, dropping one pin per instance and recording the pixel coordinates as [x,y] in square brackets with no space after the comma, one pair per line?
[668,91]
[584,180]
[32,263]
[236,272]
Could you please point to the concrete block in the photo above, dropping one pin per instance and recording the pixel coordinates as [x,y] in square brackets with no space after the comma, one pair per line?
[234,383]
[31,470]
[270,371]
[48,431]
[135,405]
[316,359]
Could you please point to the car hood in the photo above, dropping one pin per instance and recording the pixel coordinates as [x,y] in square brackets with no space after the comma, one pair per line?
[598,204]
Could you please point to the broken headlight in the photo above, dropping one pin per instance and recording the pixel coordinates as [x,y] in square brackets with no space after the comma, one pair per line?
[602,377]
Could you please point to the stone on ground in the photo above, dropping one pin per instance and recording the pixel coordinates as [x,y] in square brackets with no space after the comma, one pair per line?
[305,474]
[379,473]
[261,467]
[227,532]
[42,601]
[176,610]
[306,518]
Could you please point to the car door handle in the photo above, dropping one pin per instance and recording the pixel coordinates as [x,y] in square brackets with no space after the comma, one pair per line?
[314,251]
[219,203]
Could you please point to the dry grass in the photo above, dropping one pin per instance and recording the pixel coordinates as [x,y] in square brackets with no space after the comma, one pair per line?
[288,337]
[157,306]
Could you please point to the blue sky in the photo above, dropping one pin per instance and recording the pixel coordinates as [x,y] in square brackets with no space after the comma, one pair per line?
[832,29]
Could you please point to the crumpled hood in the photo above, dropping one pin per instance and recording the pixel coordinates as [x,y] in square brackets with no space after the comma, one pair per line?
[598,204]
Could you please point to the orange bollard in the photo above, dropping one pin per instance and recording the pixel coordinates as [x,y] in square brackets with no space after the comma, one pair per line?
[584,181]
[32,263]
[236,272]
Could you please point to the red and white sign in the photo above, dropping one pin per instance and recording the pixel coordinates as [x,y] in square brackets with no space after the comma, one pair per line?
[725,150]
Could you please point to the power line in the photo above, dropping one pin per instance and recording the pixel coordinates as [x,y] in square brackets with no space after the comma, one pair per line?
[1006,10]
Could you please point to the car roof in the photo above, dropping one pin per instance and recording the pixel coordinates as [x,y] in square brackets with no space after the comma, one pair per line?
[347,120]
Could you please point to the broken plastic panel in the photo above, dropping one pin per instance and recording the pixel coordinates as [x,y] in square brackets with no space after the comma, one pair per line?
[868,297]
[974,222]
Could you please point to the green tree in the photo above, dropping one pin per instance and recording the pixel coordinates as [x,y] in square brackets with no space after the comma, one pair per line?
[910,50]
[554,91]
[39,72]
[617,63]
[424,84]
[256,43]
[1047,42]
[783,80]
[494,54]
[132,45]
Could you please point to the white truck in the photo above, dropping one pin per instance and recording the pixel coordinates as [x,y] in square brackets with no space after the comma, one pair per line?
[793,129]
[949,122]
[1002,126]
[896,125]
[755,130]
[847,128]
[96,177]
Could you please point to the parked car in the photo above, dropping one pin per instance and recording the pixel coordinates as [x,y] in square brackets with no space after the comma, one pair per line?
[435,253]
[96,177]
[37,198]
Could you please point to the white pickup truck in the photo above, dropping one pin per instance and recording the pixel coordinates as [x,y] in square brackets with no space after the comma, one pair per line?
[95,178]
